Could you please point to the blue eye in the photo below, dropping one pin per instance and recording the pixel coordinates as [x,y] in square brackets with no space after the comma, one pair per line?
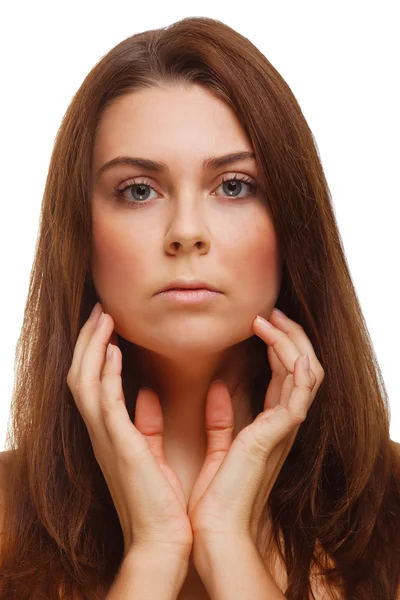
[141,188]
[243,179]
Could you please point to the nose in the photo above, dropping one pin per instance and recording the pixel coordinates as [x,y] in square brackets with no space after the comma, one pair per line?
[188,230]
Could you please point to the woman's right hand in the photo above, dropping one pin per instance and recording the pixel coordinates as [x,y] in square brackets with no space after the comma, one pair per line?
[147,494]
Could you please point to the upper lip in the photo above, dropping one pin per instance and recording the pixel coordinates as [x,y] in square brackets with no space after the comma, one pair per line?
[189,284]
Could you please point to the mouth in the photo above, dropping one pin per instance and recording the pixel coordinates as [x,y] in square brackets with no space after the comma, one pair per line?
[183,284]
[189,295]
[181,289]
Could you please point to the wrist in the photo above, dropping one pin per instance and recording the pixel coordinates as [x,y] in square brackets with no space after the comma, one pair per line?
[233,568]
[146,573]
[207,550]
[173,560]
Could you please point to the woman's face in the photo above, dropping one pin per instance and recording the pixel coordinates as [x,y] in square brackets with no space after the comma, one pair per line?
[187,224]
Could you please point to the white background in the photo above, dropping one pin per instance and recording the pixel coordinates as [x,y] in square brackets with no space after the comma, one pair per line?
[341,60]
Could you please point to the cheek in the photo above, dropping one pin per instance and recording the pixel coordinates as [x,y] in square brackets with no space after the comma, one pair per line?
[115,261]
[255,262]
[125,270]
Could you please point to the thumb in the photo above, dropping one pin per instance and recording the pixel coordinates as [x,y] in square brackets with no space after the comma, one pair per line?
[219,424]
[219,421]
[150,422]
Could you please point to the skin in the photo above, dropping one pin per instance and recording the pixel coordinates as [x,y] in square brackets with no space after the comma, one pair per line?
[189,225]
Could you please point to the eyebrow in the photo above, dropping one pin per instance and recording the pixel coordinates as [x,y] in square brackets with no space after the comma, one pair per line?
[212,162]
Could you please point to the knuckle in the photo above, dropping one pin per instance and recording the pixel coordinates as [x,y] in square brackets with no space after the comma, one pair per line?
[250,445]
[112,381]
[109,406]
[318,377]
[79,386]
[131,451]
[298,418]
[82,388]
[297,327]
[106,405]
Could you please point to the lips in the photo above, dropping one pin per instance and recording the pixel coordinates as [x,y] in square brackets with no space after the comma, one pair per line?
[195,284]
[186,289]
[188,296]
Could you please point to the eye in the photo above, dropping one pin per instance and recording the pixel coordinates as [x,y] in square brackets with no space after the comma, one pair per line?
[233,183]
[232,186]
[139,188]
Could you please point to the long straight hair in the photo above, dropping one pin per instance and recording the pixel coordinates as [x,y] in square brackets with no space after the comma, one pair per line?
[340,484]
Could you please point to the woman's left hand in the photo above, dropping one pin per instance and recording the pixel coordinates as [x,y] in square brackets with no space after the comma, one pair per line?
[238,474]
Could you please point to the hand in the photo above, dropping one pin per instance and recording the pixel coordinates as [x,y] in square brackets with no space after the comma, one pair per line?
[147,494]
[237,476]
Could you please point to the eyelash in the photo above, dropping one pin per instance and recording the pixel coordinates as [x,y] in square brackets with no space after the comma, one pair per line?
[118,191]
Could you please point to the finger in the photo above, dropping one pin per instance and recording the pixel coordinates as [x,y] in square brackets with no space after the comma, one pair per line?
[219,424]
[300,338]
[89,377]
[134,448]
[238,478]
[281,383]
[149,421]
[267,431]
[285,344]
[113,412]
[219,420]
[280,451]
[282,354]
[83,340]
[304,382]
[148,418]
[282,343]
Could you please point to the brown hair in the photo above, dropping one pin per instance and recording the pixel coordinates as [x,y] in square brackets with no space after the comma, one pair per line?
[340,484]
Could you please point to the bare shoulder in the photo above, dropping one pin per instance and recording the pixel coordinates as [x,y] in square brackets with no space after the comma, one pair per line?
[396,446]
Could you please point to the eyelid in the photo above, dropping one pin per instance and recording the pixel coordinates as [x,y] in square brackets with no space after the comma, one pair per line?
[137,179]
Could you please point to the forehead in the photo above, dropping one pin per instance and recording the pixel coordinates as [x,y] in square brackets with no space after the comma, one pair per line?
[172,123]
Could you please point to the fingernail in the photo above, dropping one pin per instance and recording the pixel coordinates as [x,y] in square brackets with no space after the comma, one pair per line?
[100,321]
[95,310]
[306,362]
[279,312]
[109,351]
[263,321]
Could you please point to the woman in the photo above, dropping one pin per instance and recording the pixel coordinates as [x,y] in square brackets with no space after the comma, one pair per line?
[233,494]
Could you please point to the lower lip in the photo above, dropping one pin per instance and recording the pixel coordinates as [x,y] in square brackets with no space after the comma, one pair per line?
[189,296]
